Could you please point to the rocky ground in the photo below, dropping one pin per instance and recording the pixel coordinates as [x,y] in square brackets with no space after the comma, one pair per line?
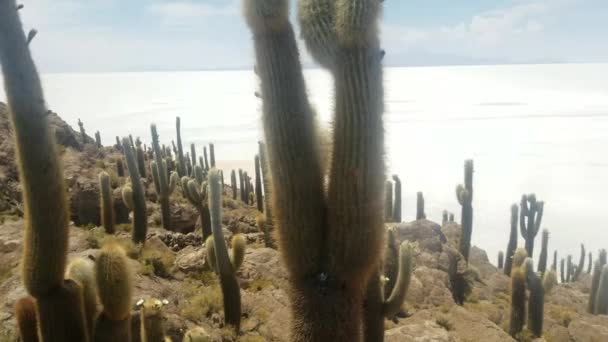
[173,266]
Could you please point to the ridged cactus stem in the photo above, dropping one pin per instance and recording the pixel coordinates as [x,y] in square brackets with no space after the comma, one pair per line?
[193,154]
[601,302]
[206,159]
[388,201]
[45,240]
[98,139]
[141,161]
[569,272]
[211,155]
[595,283]
[152,326]
[465,198]
[590,263]
[107,207]
[164,183]
[581,264]
[536,304]
[181,161]
[83,134]
[120,169]
[25,313]
[518,301]
[233,184]
[259,197]
[542,259]
[242,186]
[420,206]
[230,287]
[269,221]
[501,259]
[397,201]
[330,244]
[554,265]
[562,272]
[140,218]
[512,246]
[530,218]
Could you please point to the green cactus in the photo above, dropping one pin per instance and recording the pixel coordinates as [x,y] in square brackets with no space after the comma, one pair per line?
[98,140]
[107,207]
[115,289]
[233,184]
[152,321]
[602,257]
[237,253]
[211,155]
[569,271]
[420,214]
[206,160]
[519,257]
[512,246]
[196,193]
[140,218]
[590,263]
[120,169]
[25,313]
[542,260]
[127,196]
[549,281]
[181,162]
[501,259]
[163,183]
[530,218]
[331,242]
[241,185]
[562,273]
[380,305]
[45,241]
[141,159]
[397,201]
[595,283]
[581,264]
[601,301]
[259,197]
[193,154]
[464,194]
[82,271]
[536,300]
[83,134]
[554,265]
[269,221]
[518,301]
[226,266]
[388,201]
[188,165]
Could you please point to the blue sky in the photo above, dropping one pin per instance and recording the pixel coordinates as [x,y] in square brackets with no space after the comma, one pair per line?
[143,35]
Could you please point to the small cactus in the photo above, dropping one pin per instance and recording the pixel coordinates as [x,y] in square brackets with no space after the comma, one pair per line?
[120,169]
[226,266]
[140,218]
[197,334]
[512,246]
[397,201]
[83,134]
[115,288]
[420,215]
[542,260]
[549,281]
[107,207]
[196,193]
[530,218]
[581,264]
[127,196]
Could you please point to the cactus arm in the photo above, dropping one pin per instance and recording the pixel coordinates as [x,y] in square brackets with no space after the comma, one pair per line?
[542,260]
[212,155]
[155,176]
[238,251]
[540,206]
[127,197]
[316,20]
[229,284]
[210,249]
[199,175]
[523,213]
[393,303]
[140,219]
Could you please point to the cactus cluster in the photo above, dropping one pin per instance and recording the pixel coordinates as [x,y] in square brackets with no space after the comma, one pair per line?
[530,217]
[464,194]
[134,196]
[164,184]
[524,278]
[598,296]
[195,191]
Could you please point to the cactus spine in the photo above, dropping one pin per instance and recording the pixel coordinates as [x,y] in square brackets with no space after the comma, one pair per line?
[140,219]
[464,195]
[331,242]
[601,302]
[107,207]
[181,162]
[226,269]
[595,283]
[259,198]
[530,217]
[542,260]
[420,215]
[388,201]
[581,264]
[115,290]
[512,246]
[397,201]
[59,303]
[501,259]
[164,183]
[25,312]
[269,220]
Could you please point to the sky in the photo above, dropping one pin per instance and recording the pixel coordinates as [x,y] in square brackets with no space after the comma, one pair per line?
[162,35]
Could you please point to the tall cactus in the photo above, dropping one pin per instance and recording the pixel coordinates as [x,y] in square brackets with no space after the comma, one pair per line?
[601,302]
[226,270]
[242,186]
[331,243]
[518,301]
[464,193]
[581,264]
[380,305]
[269,219]
[397,201]
[512,246]
[530,217]
[152,325]
[206,166]
[211,155]
[388,201]
[259,197]
[542,260]
[602,257]
[163,183]
[569,271]
[193,154]
[195,191]
[45,243]
[536,303]
[501,259]
[554,264]
[562,272]
[25,313]
[181,161]
[107,207]
[233,184]
[590,263]
[98,140]
[141,158]
[595,283]
[115,289]
[420,214]
[140,218]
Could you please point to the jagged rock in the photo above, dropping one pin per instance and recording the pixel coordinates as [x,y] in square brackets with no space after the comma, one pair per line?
[427,233]
[183,218]
[191,259]
[425,331]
